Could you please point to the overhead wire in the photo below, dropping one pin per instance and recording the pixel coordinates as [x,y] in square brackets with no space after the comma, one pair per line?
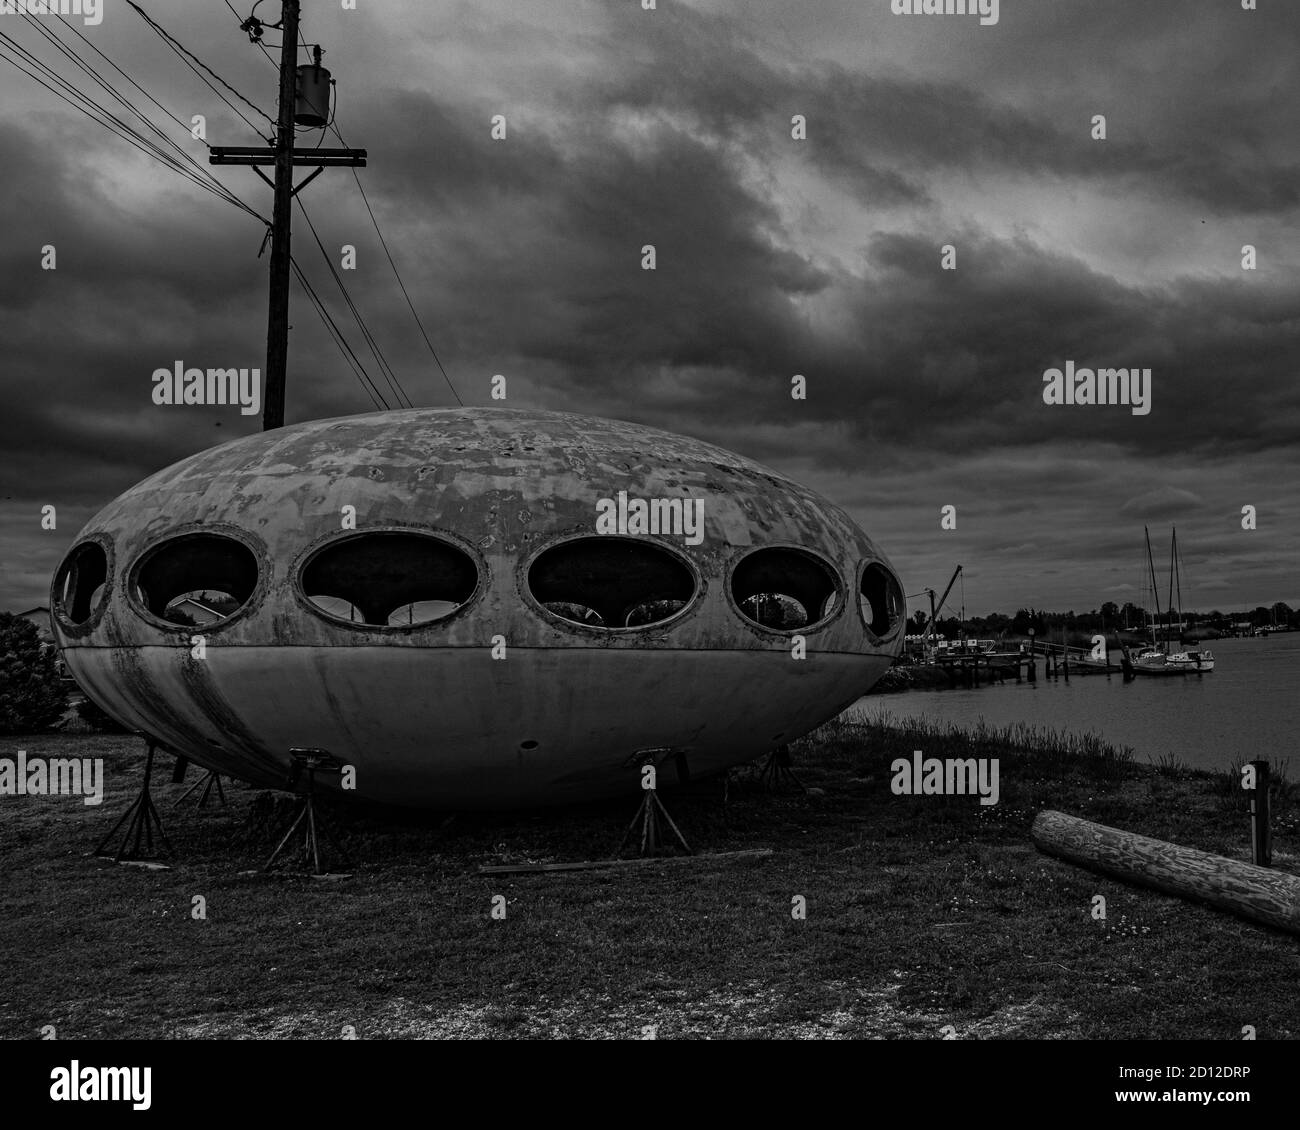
[270,58]
[396,274]
[173,156]
[190,59]
[51,80]
[384,366]
[336,334]
[203,173]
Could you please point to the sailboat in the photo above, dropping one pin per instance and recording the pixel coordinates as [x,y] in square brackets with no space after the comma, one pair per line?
[1158,659]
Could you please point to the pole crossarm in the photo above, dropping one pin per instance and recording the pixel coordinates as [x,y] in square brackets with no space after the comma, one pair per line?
[252,155]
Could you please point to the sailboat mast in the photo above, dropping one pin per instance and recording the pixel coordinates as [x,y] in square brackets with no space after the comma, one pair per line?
[1169,604]
[1178,585]
[1155,589]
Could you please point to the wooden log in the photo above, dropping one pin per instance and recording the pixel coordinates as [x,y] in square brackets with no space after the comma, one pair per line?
[1257,893]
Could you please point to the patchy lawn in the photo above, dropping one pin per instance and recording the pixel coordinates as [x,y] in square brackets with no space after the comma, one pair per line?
[926,916]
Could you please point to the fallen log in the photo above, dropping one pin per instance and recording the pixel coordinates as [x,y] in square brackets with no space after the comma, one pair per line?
[1258,893]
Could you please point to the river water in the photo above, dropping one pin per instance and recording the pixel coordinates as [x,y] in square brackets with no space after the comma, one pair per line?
[1243,710]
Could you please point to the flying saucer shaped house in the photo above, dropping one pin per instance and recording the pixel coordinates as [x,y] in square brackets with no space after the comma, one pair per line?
[475,608]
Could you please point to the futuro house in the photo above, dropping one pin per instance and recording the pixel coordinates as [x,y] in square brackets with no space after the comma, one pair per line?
[433,597]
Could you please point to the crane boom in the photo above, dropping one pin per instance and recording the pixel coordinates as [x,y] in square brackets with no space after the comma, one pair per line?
[934,613]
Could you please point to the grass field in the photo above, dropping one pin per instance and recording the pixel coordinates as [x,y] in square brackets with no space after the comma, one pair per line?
[926,916]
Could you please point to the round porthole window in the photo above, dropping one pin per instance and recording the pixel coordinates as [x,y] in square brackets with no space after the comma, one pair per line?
[784,589]
[195,579]
[610,582]
[389,579]
[881,598]
[80,583]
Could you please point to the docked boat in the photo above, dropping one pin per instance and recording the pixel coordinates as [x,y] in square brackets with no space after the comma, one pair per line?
[1153,661]
[1158,659]
[1193,662]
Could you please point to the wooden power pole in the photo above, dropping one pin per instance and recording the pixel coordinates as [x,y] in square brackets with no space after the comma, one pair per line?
[284,157]
[277,317]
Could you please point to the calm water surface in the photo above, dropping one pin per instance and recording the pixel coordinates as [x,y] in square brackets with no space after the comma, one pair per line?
[1244,709]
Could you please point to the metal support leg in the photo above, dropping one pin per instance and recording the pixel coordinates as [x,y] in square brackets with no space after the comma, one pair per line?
[311,828]
[210,778]
[140,819]
[652,812]
[777,771]
[653,839]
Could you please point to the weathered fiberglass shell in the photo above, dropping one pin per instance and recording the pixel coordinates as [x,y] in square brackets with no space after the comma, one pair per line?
[425,595]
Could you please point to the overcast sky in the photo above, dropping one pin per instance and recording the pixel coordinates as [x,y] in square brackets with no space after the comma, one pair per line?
[775,257]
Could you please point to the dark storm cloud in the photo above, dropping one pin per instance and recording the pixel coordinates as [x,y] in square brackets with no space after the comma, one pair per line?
[673,129]
[884,135]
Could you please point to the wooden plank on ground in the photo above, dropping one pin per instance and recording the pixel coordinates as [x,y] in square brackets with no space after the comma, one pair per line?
[594,864]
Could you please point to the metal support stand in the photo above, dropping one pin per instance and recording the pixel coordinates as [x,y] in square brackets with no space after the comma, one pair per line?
[777,771]
[210,778]
[140,819]
[313,761]
[649,815]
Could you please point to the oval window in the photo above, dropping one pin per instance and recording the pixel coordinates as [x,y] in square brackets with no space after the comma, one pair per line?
[79,584]
[195,579]
[610,582]
[881,599]
[389,579]
[784,589]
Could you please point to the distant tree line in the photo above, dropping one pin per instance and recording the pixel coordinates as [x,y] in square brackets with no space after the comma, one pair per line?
[1110,617]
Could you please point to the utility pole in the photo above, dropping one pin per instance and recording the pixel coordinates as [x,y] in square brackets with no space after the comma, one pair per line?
[293,110]
[277,318]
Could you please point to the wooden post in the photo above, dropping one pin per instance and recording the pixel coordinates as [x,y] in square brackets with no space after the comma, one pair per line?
[1261,833]
[1253,892]
[1033,659]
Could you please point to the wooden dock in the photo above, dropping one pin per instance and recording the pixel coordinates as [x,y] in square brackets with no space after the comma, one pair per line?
[1061,661]
[970,667]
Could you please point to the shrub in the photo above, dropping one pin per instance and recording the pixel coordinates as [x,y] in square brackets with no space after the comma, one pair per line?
[32,697]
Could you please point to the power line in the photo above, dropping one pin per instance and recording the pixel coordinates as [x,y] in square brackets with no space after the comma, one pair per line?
[210,181]
[187,56]
[45,76]
[84,104]
[405,294]
[269,57]
[180,162]
[336,334]
[73,27]
[384,366]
